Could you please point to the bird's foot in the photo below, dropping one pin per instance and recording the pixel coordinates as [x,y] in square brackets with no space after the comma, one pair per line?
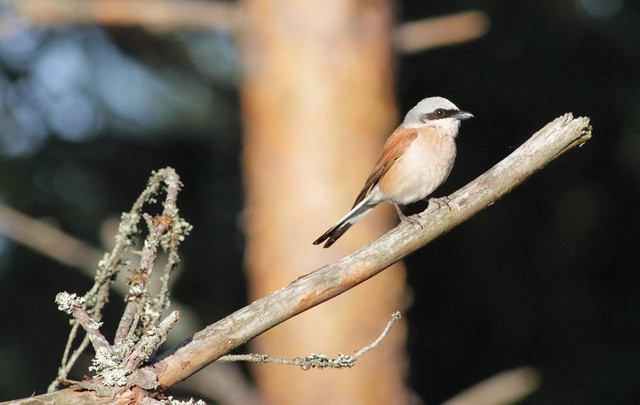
[440,202]
[404,218]
[411,220]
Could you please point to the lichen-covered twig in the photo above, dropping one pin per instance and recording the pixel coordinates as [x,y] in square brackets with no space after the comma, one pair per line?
[72,305]
[149,342]
[141,329]
[315,360]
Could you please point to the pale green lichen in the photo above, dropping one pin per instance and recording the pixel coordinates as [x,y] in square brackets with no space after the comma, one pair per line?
[104,261]
[67,302]
[107,367]
[128,228]
[172,401]
[94,325]
[322,361]
[150,315]
[176,234]
[137,289]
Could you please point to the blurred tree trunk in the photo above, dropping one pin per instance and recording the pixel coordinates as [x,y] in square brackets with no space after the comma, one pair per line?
[317,103]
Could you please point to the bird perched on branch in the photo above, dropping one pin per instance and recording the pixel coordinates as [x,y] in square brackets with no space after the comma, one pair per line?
[415,160]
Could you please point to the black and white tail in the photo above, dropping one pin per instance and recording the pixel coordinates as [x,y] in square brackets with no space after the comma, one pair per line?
[357,212]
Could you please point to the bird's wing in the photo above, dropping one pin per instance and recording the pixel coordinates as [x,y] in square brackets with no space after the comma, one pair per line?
[393,149]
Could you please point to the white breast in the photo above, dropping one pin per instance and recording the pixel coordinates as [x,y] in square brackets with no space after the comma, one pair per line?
[423,167]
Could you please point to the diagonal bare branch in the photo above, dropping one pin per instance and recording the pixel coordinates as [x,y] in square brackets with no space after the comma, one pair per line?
[333,279]
[206,346]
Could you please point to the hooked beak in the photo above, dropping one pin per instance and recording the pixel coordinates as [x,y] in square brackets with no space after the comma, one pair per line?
[463,115]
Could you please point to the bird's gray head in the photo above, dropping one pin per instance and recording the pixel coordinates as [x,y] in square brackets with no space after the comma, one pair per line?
[436,112]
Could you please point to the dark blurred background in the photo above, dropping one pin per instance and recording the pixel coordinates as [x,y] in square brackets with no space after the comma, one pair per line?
[546,277]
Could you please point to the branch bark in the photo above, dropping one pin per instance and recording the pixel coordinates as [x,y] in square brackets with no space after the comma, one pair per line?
[177,364]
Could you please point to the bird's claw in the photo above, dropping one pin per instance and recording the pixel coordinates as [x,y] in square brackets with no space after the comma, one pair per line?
[411,220]
[440,201]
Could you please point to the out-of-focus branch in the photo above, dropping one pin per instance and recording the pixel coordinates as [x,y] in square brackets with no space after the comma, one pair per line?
[436,32]
[410,37]
[57,245]
[155,14]
[508,387]
[46,239]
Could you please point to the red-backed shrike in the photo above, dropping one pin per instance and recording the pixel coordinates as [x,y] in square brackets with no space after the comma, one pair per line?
[415,160]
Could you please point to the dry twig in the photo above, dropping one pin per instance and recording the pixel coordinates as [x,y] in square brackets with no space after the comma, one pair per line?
[141,328]
[315,360]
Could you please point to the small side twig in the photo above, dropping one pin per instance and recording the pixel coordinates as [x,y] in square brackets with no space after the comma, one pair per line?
[72,305]
[315,360]
[126,323]
[150,341]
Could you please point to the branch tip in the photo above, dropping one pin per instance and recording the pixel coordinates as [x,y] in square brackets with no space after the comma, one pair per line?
[68,302]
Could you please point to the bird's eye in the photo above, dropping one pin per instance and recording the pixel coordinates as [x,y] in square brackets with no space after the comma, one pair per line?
[439,113]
